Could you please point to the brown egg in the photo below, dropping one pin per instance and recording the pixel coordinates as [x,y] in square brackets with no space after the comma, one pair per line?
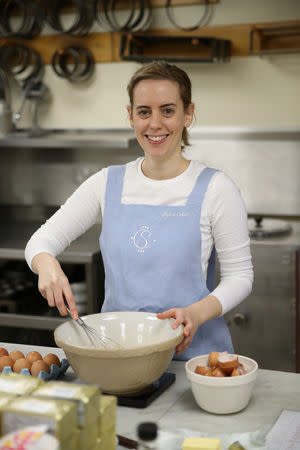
[240,370]
[3,352]
[218,372]
[20,364]
[37,366]
[228,362]
[33,356]
[51,358]
[213,359]
[5,361]
[201,370]
[16,354]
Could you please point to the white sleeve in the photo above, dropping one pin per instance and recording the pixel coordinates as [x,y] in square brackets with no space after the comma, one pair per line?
[81,210]
[229,224]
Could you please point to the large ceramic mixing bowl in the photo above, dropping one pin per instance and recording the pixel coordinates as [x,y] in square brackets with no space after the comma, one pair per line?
[147,346]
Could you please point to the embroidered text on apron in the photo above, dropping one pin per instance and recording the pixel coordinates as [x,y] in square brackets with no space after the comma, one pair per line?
[152,259]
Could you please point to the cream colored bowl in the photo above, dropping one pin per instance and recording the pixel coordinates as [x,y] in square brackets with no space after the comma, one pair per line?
[221,395]
[147,342]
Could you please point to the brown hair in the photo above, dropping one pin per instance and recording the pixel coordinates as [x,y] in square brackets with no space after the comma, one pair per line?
[161,70]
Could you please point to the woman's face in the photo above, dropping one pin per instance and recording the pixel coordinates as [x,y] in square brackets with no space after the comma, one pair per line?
[158,117]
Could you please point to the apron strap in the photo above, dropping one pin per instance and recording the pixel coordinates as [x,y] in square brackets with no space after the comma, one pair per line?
[199,190]
[196,197]
[114,184]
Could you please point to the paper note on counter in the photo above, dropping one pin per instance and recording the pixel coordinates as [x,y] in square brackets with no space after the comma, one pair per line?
[285,434]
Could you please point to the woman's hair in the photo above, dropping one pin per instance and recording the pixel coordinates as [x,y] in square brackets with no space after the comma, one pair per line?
[161,70]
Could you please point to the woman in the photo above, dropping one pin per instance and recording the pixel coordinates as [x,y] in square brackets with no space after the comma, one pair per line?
[162,216]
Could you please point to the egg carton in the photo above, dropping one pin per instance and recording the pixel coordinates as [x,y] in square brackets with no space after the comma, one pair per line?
[55,371]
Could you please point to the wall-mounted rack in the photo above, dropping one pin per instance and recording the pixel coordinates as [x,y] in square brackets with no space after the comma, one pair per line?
[144,48]
[123,4]
[106,46]
[265,40]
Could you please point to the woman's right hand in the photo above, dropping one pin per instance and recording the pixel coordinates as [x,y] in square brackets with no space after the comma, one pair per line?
[53,284]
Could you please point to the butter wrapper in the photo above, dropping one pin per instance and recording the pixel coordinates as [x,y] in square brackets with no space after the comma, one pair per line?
[5,398]
[17,384]
[107,441]
[85,397]
[88,435]
[71,443]
[31,438]
[60,416]
[108,411]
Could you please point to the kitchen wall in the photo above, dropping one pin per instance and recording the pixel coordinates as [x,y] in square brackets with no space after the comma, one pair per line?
[263,162]
[254,91]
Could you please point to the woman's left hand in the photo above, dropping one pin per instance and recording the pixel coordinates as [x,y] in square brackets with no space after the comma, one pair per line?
[182,316]
[192,317]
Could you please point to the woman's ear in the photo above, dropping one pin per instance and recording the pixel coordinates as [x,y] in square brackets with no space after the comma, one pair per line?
[129,110]
[189,114]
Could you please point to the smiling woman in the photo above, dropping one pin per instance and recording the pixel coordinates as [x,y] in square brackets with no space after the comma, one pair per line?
[159,118]
[163,219]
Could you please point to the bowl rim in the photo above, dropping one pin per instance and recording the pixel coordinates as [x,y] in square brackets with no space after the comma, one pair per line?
[221,381]
[116,353]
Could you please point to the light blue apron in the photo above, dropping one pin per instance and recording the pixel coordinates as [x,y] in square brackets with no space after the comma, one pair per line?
[152,259]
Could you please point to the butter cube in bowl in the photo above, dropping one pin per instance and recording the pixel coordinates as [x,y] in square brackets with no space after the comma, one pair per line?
[220,390]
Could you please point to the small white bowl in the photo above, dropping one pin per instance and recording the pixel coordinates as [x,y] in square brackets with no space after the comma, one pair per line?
[221,395]
[147,346]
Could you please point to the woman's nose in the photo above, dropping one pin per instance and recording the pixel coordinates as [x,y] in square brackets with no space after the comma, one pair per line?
[155,121]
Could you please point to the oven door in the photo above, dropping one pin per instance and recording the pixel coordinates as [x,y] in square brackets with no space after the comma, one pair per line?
[264,326]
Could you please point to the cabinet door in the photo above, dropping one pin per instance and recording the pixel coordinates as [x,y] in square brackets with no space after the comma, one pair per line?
[263,326]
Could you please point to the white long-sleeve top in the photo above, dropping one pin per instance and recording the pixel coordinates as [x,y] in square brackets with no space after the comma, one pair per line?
[223,221]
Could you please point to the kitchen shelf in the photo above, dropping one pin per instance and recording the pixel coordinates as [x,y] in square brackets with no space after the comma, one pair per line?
[30,321]
[106,46]
[154,3]
[274,39]
[105,140]
[143,48]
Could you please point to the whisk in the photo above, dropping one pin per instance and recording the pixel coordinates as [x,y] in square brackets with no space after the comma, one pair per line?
[94,337]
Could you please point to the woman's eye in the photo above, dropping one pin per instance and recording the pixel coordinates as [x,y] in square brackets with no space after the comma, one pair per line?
[143,112]
[168,111]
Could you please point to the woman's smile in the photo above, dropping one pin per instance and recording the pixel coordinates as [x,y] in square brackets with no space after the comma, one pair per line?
[156,140]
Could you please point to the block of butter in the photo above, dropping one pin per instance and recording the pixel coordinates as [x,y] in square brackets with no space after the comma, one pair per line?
[71,443]
[85,397]
[198,443]
[108,411]
[59,415]
[87,436]
[17,384]
[107,441]
[5,398]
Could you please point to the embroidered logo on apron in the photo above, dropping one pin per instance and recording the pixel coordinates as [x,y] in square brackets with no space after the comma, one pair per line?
[175,214]
[141,237]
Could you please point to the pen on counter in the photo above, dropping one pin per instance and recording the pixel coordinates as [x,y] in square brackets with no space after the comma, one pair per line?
[127,443]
